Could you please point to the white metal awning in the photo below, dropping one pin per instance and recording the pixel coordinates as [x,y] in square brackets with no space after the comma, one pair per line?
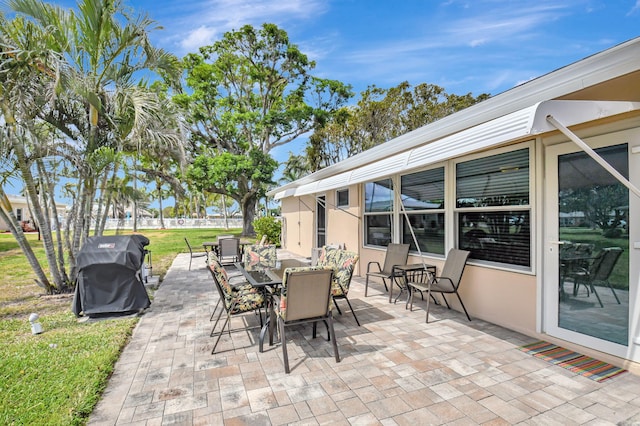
[518,125]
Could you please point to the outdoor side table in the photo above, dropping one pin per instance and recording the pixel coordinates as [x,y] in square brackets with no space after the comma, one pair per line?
[401,273]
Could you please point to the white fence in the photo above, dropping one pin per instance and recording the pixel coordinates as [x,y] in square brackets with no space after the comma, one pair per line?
[174,223]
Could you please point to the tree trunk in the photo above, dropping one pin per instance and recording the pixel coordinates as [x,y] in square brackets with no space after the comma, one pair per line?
[15,228]
[248,205]
[47,239]
[224,211]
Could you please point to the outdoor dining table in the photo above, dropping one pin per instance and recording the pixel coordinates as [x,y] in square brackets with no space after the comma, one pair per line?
[402,273]
[267,278]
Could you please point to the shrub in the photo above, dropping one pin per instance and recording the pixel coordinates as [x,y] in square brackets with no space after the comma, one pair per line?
[269,226]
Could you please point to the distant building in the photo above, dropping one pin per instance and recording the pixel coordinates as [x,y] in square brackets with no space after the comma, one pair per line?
[20,208]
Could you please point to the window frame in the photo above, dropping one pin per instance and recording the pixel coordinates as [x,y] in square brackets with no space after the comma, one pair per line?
[426,211]
[391,213]
[342,191]
[457,212]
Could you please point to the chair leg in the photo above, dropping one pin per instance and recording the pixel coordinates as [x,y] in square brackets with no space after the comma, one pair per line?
[350,307]
[593,290]
[263,331]
[214,310]
[283,340]
[190,259]
[336,305]
[614,293]
[428,299]
[332,336]
[366,285]
[215,345]
[463,308]
[216,323]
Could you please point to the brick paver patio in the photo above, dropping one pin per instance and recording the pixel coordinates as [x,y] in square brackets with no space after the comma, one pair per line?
[395,370]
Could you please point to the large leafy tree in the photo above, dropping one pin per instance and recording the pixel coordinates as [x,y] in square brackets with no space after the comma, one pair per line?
[379,116]
[76,73]
[250,92]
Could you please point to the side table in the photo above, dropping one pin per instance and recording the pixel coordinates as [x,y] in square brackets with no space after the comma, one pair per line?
[401,274]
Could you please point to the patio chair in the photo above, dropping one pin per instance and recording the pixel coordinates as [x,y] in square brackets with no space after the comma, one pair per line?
[397,254]
[598,271]
[305,297]
[193,254]
[234,302]
[447,283]
[229,250]
[258,254]
[238,286]
[343,263]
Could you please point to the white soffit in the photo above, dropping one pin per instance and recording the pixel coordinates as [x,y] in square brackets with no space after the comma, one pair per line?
[526,122]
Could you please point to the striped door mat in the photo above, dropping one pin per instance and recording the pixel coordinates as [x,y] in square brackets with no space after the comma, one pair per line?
[573,361]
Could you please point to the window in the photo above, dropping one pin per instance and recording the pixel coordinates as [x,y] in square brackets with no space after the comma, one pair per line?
[342,198]
[492,208]
[378,210]
[19,215]
[423,199]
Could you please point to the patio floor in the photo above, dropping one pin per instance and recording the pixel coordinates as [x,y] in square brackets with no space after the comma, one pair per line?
[395,370]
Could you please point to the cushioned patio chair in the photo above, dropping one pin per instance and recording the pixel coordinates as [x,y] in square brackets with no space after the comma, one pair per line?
[343,263]
[305,297]
[447,283]
[396,254]
[193,254]
[234,302]
[258,254]
[237,282]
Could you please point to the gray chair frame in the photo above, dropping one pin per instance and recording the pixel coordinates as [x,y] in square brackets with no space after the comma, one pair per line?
[447,283]
[193,254]
[229,310]
[598,272]
[229,250]
[397,254]
[308,300]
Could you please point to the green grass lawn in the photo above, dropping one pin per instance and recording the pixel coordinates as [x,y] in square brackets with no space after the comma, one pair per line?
[59,375]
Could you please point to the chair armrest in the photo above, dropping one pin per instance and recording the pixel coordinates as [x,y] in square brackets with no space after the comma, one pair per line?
[373,262]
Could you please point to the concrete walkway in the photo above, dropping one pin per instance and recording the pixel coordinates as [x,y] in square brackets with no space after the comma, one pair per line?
[395,370]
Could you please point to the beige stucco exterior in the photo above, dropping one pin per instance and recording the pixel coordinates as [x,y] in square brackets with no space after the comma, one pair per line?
[515,298]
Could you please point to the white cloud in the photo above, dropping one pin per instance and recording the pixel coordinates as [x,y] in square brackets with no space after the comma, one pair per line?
[213,17]
[635,8]
[201,36]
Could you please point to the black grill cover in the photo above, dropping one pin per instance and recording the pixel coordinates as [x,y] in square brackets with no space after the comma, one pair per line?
[109,276]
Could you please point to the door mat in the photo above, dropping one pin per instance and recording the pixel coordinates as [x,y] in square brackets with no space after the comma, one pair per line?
[573,361]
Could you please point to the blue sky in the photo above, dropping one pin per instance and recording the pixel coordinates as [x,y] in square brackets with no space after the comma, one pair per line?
[465,46]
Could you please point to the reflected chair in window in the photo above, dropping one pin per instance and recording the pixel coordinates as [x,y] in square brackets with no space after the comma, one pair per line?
[397,254]
[257,254]
[598,272]
[194,254]
[343,263]
[229,250]
[447,283]
[234,302]
[305,297]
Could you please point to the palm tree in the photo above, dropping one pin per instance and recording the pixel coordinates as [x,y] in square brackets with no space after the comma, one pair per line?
[82,68]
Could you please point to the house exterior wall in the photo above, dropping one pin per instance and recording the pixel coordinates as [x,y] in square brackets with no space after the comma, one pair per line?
[500,295]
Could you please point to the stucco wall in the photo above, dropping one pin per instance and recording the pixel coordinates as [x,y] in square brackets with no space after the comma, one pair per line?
[497,296]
